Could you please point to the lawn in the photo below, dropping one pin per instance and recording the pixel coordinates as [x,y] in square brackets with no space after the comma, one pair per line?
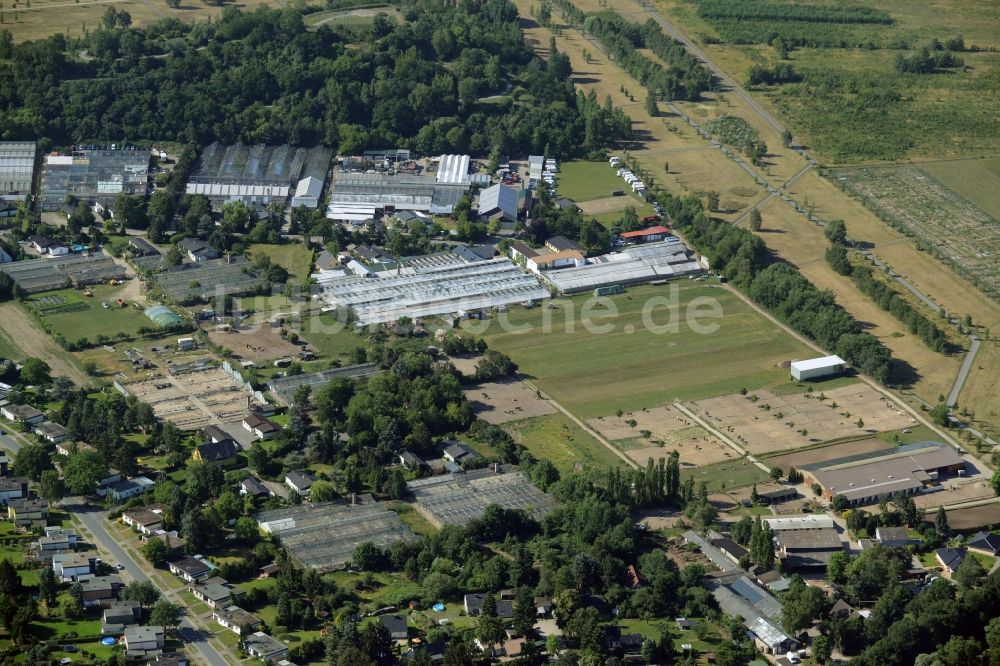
[654,629]
[918,433]
[628,366]
[413,519]
[726,475]
[293,257]
[563,443]
[977,180]
[329,338]
[69,313]
[612,220]
[584,181]
[7,347]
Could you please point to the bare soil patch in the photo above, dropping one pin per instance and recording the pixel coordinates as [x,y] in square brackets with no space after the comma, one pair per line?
[256,343]
[23,331]
[822,454]
[977,516]
[763,422]
[654,433]
[466,364]
[955,492]
[503,401]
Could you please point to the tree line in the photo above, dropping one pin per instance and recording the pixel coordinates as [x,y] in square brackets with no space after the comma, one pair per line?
[744,259]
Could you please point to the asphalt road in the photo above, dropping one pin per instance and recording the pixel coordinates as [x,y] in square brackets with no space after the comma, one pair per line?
[93,519]
[9,443]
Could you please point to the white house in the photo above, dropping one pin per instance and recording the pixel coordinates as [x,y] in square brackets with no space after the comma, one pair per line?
[146,519]
[259,426]
[51,432]
[12,488]
[262,646]
[69,566]
[57,538]
[143,638]
[127,488]
[300,482]
[815,368]
[552,260]
[22,414]
[236,619]
[189,568]
[57,249]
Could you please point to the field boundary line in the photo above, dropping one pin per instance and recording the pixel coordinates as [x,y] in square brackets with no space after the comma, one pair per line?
[700,421]
[586,428]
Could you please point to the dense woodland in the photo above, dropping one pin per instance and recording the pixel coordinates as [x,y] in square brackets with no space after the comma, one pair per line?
[262,77]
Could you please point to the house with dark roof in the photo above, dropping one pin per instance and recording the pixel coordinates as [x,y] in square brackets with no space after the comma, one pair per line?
[520,252]
[893,536]
[197,250]
[473,604]
[12,487]
[141,247]
[262,646]
[986,543]
[98,589]
[190,568]
[411,460]
[216,592]
[237,620]
[40,243]
[214,433]
[51,432]
[28,513]
[730,548]
[458,452]
[949,560]
[223,452]
[25,414]
[122,612]
[300,482]
[145,519]
[561,244]
[260,427]
[252,486]
[396,625]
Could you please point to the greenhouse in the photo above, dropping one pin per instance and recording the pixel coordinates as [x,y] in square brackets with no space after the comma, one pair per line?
[162,316]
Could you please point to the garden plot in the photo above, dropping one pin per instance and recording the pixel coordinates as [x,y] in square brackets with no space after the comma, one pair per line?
[914,202]
[503,401]
[763,422]
[654,433]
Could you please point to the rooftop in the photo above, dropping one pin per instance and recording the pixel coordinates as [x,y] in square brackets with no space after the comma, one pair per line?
[818,363]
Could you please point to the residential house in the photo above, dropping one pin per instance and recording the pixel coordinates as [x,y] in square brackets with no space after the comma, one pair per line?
[171,539]
[40,243]
[561,244]
[122,612]
[141,247]
[237,620]
[260,427]
[57,538]
[214,433]
[12,487]
[69,567]
[51,432]
[543,606]
[411,461]
[111,478]
[28,513]
[143,639]
[58,249]
[97,589]
[521,252]
[300,482]
[128,488]
[189,568]
[69,448]
[396,625]
[554,260]
[216,592]
[458,452]
[949,560]
[170,659]
[986,543]
[684,624]
[252,486]
[223,452]
[197,250]
[262,646]
[635,579]
[893,536]
[145,519]
[840,610]
[24,414]
[473,604]
[269,570]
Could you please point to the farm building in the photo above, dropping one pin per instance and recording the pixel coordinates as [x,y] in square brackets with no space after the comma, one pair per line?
[17,169]
[520,252]
[453,169]
[561,244]
[97,175]
[455,499]
[356,197]
[197,250]
[815,368]
[554,260]
[862,479]
[809,521]
[536,165]
[324,536]
[650,235]
[307,192]
[498,201]
[283,388]
[38,275]
[256,174]
[448,289]
[807,549]
[633,265]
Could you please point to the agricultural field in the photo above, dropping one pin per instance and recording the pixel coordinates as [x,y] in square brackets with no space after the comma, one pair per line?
[329,338]
[726,475]
[563,443]
[917,203]
[76,317]
[8,349]
[977,181]
[293,257]
[654,433]
[630,367]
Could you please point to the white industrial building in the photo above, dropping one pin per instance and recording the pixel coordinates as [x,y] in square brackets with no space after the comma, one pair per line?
[536,165]
[97,175]
[17,168]
[307,192]
[815,368]
[633,265]
[453,169]
[455,288]
[360,196]
[498,201]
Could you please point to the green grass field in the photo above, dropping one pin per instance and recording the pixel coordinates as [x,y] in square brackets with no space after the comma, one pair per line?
[977,181]
[293,257]
[330,340]
[585,181]
[563,443]
[726,475]
[7,347]
[629,367]
[74,316]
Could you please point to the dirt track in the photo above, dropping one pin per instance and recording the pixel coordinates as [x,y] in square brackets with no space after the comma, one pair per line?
[33,341]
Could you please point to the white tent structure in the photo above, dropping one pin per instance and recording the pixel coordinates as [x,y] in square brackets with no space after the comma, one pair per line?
[453,169]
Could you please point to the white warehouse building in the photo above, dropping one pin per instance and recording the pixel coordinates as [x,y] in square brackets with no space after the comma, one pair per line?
[815,368]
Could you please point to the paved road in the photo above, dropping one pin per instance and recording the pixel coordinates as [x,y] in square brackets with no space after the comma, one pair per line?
[963,372]
[93,519]
[9,443]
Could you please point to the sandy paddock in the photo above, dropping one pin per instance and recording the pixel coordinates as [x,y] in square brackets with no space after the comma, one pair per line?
[831,452]
[669,430]
[763,422]
[955,493]
[503,401]
[256,343]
